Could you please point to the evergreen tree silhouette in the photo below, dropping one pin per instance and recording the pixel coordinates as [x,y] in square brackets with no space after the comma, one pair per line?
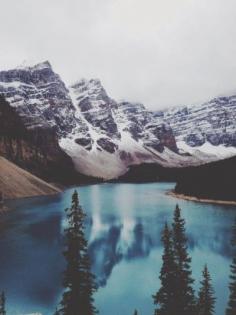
[166,297]
[231,309]
[135,312]
[206,299]
[79,283]
[185,300]
[2,304]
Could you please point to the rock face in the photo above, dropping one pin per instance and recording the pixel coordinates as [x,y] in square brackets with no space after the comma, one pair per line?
[109,118]
[35,149]
[110,136]
[39,96]
[104,137]
[95,106]
[213,122]
[145,126]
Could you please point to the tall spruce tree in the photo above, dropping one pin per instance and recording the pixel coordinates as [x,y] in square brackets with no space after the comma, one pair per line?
[79,282]
[206,299]
[231,309]
[2,304]
[135,312]
[185,299]
[166,297]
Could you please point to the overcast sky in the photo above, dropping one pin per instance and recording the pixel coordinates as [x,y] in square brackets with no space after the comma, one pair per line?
[159,52]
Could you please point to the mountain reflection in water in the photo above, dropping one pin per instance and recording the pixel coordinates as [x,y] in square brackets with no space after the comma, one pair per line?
[124,224]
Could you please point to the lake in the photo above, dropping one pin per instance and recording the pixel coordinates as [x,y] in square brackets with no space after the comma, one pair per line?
[124,223]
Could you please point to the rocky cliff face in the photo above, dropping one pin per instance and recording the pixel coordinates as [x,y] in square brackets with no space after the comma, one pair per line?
[39,96]
[101,136]
[95,106]
[109,118]
[104,137]
[110,136]
[213,122]
[35,149]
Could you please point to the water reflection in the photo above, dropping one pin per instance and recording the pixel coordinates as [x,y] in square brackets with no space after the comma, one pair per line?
[113,245]
[134,237]
[124,223]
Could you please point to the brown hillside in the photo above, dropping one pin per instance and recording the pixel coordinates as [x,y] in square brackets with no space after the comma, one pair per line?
[18,183]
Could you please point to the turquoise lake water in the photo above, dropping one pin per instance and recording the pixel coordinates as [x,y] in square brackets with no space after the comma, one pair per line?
[124,222]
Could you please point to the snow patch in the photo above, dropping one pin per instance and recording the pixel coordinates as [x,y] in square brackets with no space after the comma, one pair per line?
[207,150]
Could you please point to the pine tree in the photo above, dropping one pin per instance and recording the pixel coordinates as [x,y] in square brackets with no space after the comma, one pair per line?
[231,309]
[2,304]
[206,299]
[186,304]
[165,298]
[135,312]
[79,283]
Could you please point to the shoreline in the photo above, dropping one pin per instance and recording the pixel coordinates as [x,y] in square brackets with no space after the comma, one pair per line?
[4,208]
[34,196]
[202,200]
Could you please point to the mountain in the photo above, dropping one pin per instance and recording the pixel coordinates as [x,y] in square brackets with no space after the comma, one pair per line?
[115,135]
[104,137]
[208,128]
[101,136]
[110,136]
[39,96]
[18,183]
[35,149]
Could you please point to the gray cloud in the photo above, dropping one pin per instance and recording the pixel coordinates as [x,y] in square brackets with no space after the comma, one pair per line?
[159,52]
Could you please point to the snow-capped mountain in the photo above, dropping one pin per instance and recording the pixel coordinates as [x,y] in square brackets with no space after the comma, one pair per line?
[103,136]
[208,128]
[39,96]
[110,136]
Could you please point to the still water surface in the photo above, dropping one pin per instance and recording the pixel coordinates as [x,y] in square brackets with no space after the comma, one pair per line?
[124,222]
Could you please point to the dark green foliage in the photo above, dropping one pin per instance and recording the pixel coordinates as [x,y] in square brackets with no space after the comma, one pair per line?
[176,295]
[215,180]
[79,283]
[185,300]
[2,304]
[165,298]
[206,299]
[231,309]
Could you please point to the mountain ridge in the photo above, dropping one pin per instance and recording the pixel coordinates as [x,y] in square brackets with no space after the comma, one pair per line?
[104,137]
[35,150]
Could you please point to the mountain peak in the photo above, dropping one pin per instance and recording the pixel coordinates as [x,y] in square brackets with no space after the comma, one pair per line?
[88,83]
[29,65]
[91,88]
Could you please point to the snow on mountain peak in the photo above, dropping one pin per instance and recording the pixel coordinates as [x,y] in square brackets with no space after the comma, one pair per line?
[39,96]
[104,137]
